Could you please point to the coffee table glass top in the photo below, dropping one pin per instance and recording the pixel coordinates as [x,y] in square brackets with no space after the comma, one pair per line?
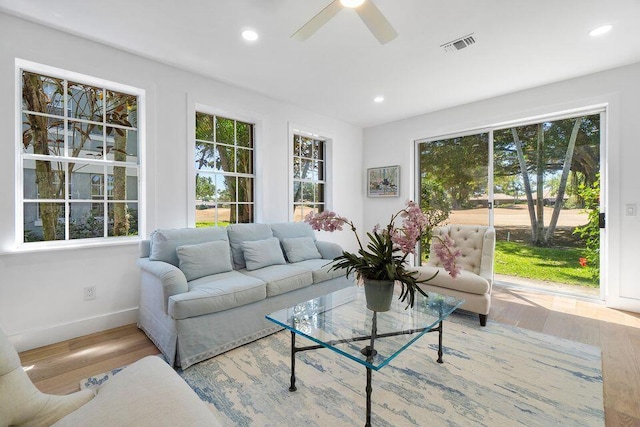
[343,315]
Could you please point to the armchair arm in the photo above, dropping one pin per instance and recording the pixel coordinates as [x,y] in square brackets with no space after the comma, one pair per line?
[328,250]
[488,253]
[169,277]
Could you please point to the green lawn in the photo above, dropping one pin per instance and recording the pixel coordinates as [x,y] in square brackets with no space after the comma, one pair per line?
[560,265]
[212,224]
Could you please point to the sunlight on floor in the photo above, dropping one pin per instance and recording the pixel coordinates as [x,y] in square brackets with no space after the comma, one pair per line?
[566,304]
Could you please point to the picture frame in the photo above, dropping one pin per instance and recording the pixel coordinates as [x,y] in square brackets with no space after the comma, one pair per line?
[383,181]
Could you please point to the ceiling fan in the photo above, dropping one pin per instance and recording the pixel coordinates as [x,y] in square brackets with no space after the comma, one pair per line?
[368,12]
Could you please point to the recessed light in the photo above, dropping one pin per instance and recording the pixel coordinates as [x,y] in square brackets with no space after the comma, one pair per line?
[250,35]
[378,99]
[603,29]
[351,3]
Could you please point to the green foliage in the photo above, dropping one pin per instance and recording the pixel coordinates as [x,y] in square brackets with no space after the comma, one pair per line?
[559,265]
[458,164]
[381,262]
[436,206]
[590,232]
[205,188]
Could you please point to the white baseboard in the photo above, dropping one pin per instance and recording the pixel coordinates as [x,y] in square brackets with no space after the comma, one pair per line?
[54,334]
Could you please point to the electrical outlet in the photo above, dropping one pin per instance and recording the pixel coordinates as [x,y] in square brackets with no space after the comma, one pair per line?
[89,292]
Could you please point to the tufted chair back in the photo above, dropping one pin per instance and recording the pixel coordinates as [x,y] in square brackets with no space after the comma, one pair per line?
[477,244]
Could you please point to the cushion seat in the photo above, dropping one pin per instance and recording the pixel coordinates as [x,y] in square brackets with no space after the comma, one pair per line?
[215,293]
[320,269]
[282,278]
[465,282]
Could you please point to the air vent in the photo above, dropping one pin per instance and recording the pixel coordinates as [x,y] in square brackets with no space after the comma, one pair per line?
[458,44]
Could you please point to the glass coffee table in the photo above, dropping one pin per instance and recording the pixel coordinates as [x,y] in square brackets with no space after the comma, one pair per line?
[341,322]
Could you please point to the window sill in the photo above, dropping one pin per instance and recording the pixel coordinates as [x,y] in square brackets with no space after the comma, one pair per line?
[35,247]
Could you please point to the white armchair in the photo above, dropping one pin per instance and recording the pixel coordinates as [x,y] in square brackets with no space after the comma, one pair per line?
[146,393]
[474,283]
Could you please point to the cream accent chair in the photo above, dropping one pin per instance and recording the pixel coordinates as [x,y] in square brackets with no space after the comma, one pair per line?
[473,284]
[146,393]
[21,403]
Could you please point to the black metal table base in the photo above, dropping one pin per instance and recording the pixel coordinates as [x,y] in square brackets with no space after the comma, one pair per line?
[368,351]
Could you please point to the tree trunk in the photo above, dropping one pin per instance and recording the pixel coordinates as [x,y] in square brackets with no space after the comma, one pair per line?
[563,182]
[36,100]
[228,165]
[526,182]
[120,219]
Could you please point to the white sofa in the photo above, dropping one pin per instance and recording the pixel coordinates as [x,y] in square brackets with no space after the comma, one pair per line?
[146,393]
[205,291]
[475,281]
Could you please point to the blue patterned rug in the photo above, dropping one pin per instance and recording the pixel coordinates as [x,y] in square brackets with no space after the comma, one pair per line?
[493,376]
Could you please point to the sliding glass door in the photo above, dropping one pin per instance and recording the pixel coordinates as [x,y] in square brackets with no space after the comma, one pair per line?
[537,183]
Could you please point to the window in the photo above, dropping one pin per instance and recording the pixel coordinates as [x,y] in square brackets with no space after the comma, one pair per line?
[224,168]
[97,192]
[308,175]
[74,134]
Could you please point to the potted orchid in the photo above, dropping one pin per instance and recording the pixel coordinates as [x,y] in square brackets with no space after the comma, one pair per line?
[384,260]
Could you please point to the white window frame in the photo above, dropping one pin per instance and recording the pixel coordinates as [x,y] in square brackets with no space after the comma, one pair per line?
[33,67]
[239,116]
[295,129]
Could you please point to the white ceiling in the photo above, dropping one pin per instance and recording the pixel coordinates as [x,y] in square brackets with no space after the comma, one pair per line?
[340,69]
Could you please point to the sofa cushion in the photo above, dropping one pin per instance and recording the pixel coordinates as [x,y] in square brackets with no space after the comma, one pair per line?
[320,269]
[282,278]
[215,293]
[300,248]
[262,253]
[239,233]
[165,242]
[286,230]
[204,259]
[465,282]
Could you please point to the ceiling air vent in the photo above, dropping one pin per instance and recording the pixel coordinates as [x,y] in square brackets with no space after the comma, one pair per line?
[458,44]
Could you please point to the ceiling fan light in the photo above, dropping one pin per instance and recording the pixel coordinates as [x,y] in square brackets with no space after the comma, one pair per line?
[250,35]
[603,29]
[351,3]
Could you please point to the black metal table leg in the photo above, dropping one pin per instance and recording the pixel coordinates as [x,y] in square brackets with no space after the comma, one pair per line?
[368,390]
[370,351]
[293,362]
[440,343]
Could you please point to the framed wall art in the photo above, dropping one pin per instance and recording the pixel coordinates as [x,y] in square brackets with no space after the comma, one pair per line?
[383,181]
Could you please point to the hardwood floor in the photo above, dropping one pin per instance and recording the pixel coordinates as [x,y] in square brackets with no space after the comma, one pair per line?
[58,368]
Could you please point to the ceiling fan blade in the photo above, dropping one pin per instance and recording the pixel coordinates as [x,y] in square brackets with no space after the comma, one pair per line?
[308,29]
[377,23]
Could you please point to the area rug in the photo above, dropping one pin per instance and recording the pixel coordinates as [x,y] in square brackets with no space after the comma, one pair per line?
[492,376]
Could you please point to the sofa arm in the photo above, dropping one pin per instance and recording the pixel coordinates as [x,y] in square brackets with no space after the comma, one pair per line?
[170,277]
[329,250]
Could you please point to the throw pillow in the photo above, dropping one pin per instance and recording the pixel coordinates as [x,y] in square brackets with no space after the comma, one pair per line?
[262,253]
[300,249]
[204,259]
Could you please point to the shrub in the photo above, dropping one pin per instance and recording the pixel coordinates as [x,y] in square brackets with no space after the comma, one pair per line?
[590,232]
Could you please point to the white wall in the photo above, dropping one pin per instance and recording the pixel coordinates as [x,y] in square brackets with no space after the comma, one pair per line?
[619,89]
[41,292]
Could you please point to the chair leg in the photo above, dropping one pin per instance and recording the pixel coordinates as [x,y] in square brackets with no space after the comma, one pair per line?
[483,320]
